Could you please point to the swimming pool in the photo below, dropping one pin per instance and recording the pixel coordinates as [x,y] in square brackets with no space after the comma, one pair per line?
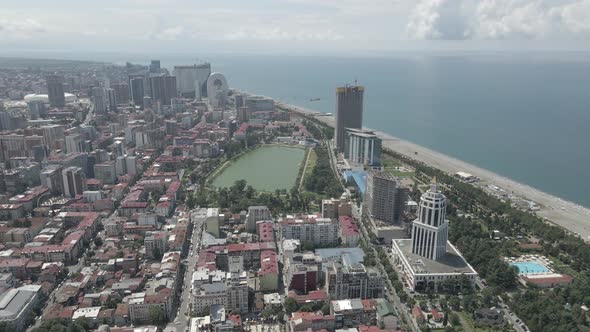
[530,267]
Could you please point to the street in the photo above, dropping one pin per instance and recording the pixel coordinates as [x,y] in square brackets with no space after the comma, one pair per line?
[180,323]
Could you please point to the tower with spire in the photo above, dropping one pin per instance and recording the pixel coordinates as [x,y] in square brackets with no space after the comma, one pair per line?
[430,230]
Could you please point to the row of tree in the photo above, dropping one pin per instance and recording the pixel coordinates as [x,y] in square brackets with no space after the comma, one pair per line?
[556,309]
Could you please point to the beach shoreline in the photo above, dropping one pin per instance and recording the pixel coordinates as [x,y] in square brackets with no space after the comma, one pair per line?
[570,216]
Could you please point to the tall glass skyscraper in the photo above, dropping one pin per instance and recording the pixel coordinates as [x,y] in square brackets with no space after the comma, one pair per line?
[349,112]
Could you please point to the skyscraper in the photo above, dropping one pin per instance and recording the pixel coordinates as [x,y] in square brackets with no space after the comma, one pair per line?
[163,88]
[121,92]
[430,230]
[349,112]
[203,73]
[186,80]
[74,181]
[385,198]
[137,90]
[155,66]
[99,99]
[112,100]
[217,90]
[55,90]
[36,109]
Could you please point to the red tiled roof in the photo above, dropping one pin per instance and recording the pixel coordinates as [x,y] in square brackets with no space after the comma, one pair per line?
[313,296]
[268,263]
[562,279]
[265,231]
[236,319]
[251,246]
[348,226]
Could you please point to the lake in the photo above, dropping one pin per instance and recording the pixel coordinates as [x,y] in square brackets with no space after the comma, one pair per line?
[267,168]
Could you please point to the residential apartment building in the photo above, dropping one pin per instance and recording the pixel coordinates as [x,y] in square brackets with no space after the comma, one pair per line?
[385,198]
[345,281]
[311,229]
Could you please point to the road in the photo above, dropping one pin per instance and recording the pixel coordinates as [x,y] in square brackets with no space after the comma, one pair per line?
[391,294]
[181,322]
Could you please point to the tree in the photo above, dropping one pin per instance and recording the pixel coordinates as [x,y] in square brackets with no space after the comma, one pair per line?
[98,241]
[306,308]
[6,327]
[157,316]
[454,318]
[290,305]
[307,246]
[454,302]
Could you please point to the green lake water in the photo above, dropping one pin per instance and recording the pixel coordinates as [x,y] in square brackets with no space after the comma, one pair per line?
[266,169]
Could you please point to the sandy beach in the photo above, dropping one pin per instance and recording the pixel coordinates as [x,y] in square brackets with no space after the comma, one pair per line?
[573,217]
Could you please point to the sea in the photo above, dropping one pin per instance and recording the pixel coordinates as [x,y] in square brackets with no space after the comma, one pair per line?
[522,115]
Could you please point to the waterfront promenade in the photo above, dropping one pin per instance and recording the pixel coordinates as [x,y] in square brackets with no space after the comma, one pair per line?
[573,217]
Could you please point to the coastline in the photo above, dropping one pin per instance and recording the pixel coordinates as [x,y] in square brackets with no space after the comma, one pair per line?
[571,216]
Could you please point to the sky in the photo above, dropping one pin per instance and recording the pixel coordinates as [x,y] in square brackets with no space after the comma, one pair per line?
[299,26]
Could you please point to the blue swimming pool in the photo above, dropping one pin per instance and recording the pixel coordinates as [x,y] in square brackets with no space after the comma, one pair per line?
[530,267]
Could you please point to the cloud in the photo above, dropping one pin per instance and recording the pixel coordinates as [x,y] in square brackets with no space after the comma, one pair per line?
[19,27]
[438,19]
[278,34]
[172,33]
[495,19]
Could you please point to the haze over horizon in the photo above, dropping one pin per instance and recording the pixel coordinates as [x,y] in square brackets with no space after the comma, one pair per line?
[293,26]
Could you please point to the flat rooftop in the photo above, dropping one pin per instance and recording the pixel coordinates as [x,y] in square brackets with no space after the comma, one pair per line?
[452,262]
[349,255]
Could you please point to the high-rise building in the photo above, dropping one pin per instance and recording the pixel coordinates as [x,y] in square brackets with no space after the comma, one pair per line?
[428,260]
[137,90]
[99,99]
[256,213]
[51,177]
[243,114]
[203,73]
[112,100]
[106,172]
[52,134]
[430,230]
[36,109]
[55,90]
[362,147]
[186,80]
[349,112]
[163,88]
[155,66]
[121,92]
[74,143]
[385,198]
[217,90]
[238,101]
[74,181]
[312,230]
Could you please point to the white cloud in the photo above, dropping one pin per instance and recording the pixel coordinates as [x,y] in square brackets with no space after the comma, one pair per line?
[438,19]
[15,28]
[278,34]
[171,33]
[499,19]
